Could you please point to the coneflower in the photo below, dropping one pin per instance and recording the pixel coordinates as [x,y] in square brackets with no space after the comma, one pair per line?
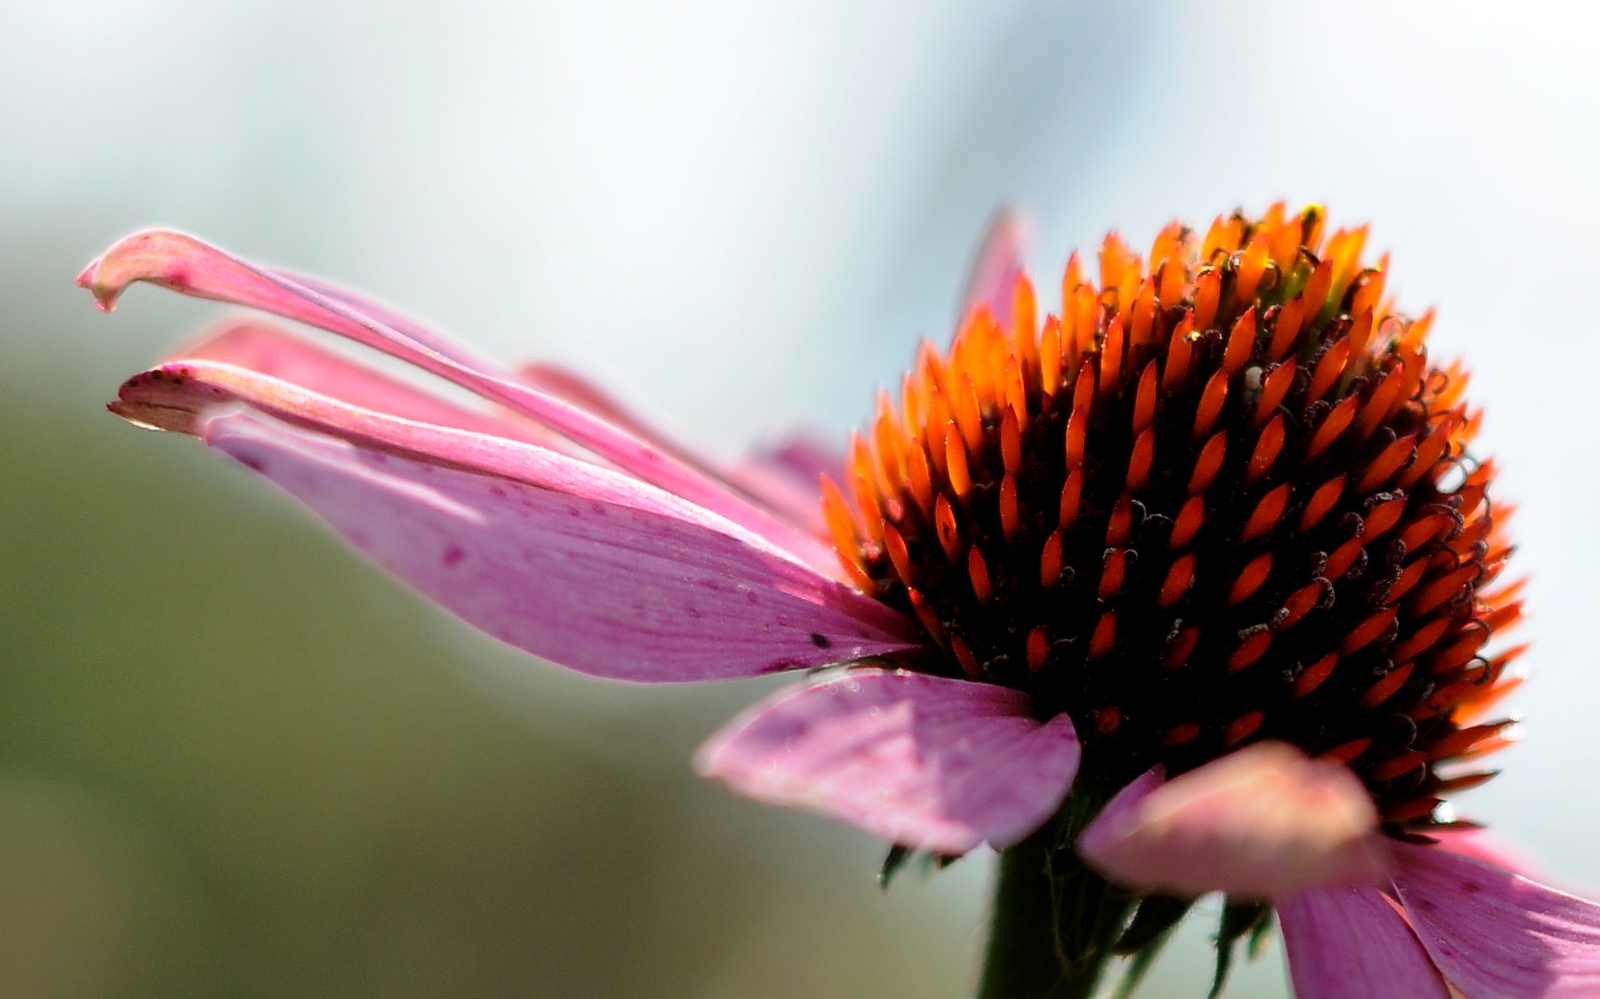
[1184,589]
[1220,499]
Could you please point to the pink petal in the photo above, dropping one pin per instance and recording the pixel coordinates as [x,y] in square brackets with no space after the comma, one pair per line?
[259,347]
[1262,822]
[993,275]
[1479,844]
[593,570]
[803,458]
[178,395]
[787,478]
[192,267]
[773,488]
[1496,934]
[799,504]
[923,761]
[573,388]
[1351,943]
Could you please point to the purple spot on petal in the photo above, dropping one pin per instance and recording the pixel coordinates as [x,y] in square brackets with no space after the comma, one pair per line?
[453,555]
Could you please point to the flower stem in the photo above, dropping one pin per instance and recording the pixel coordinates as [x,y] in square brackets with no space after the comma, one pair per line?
[1055,921]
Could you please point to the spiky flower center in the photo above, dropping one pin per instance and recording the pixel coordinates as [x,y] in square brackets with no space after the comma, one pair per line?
[1222,499]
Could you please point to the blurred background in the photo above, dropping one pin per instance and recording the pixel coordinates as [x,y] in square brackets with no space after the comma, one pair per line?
[236,761]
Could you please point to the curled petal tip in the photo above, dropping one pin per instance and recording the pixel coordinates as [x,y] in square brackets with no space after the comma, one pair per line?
[143,256]
[165,398]
[105,296]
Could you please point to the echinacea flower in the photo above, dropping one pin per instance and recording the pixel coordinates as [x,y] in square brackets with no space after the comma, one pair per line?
[1186,589]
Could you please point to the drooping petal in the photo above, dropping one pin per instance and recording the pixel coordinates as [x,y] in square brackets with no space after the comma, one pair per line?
[1496,934]
[787,477]
[803,457]
[179,394]
[1351,943]
[573,388]
[594,570]
[185,264]
[260,347]
[771,483]
[925,762]
[782,493]
[996,267]
[1480,844]
[1262,822]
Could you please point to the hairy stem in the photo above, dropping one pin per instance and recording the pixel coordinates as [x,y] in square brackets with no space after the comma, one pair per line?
[1054,921]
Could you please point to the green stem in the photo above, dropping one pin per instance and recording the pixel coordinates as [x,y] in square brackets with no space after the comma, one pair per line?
[1054,922]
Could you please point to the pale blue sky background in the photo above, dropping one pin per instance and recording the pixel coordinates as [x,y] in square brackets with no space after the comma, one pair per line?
[742,216]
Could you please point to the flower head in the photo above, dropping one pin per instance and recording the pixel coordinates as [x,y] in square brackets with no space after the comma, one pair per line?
[1225,501]
[1216,519]
[1223,498]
